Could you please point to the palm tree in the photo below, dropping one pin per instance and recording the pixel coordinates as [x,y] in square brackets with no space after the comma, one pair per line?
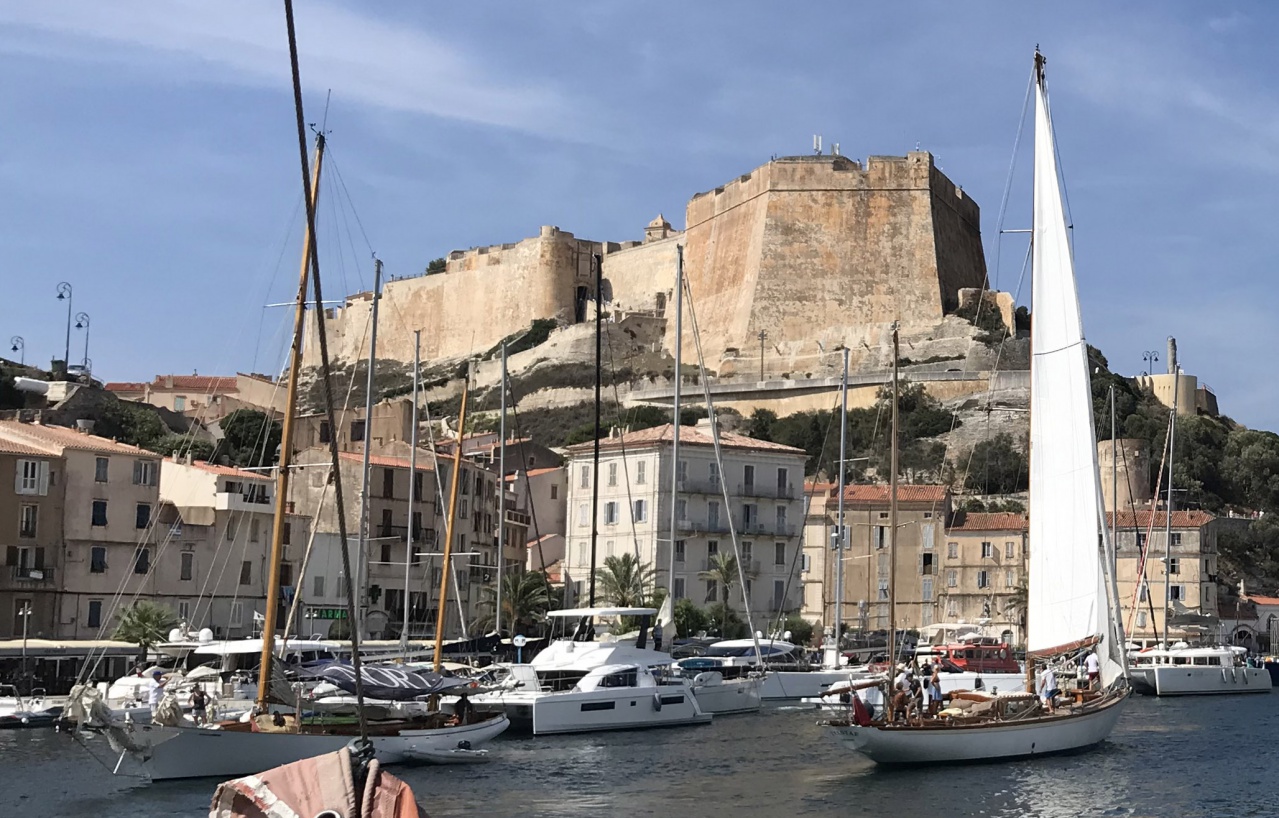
[526,597]
[144,624]
[624,581]
[722,570]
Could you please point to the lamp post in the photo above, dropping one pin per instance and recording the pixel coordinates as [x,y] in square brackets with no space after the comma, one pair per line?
[64,294]
[20,346]
[25,613]
[82,322]
[1149,358]
[762,336]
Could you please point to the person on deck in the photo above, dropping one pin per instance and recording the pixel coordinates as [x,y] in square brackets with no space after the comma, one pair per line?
[1092,665]
[199,706]
[1048,689]
[934,692]
[156,694]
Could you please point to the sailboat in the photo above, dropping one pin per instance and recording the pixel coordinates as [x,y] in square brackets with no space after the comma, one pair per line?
[1071,610]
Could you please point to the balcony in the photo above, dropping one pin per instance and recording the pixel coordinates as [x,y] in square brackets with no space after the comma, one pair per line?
[421,534]
[711,486]
[703,526]
[26,574]
[751,566]
[767,490]
[259,502]
[755,528]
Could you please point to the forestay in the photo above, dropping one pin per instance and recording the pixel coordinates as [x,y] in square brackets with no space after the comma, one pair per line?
[1067,595]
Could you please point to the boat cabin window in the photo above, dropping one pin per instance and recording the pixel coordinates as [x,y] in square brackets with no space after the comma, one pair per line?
[622,678]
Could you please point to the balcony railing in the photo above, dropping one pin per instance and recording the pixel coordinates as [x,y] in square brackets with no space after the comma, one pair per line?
[22,573]
[421,534]
[767,490]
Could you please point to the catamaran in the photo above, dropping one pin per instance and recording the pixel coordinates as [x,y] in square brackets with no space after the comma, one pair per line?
[1072,600]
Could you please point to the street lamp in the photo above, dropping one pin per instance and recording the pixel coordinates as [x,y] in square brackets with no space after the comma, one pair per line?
[64,294]
[82,322]
[25,613]
[1149,357]
[19,345]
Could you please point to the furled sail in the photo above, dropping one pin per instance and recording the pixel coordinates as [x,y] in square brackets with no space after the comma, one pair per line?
[392,683]
[1068,605]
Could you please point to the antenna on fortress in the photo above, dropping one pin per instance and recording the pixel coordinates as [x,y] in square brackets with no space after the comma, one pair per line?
[817,144]
[834,149]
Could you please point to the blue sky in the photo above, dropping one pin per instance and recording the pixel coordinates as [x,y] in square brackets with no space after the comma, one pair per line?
[149,154]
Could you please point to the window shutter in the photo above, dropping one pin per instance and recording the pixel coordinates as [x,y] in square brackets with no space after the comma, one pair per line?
[11,555]
[44,478]
[39,558]
[17,479]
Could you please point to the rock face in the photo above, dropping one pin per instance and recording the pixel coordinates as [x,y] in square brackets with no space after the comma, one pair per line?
[807,250]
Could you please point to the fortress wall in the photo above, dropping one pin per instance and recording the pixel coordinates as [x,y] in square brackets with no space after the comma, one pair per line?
[635,277]
[484,295]
[961,260]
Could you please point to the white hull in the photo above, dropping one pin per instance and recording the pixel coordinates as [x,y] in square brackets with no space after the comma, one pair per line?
[189,752]
[987,742]
[598,710]
[732,696]
[1188,680]
[950,682]
[792,685]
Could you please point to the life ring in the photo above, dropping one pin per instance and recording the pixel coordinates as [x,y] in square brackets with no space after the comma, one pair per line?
[657,702]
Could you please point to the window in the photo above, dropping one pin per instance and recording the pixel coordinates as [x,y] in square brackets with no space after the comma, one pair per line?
[712,515]
[98,559]
[641,511]
[883,589]
[779,594]
[612,474]
[145,472]
[1010,550]
[610,513]
[750,514]
[712,590]
[781,520]
[386,552]
[927,531]
[883,515]
[779,553]
[287,534]
[987,550]
[184,610]
[952,578]
[926,615]
[681,509]
[100,467]
[27,521]
[679,550]
[237,615]
[783,483]
[32,477]
[928,515]
[585,477]
[748,477]
[805,563]
[677,588]
[1010,580]
[583,515]
[464,510]
[1177,593]
[1141,619]
[325,436]
[683,471]
[952,609]
[713,472]
[1141,540]
[712,549]
[983,579]
[188,565]
[99,512]
[142,560]
[232,529]
[926,589]
[880,535]
[1174,565]
[255,530]
[143,516]
[1144,593]
[95,613]
[641,473]
[555,491]
[317,585]
[417,487]
[926,565]
[1176,539]
[357,430]
[179,403]
[747,550]
[246,572]
[952,550]
[388,484]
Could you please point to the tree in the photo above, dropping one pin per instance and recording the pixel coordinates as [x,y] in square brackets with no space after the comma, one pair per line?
[249,438]
[1251,462]
[183,445]
[436,266]
[624,581]
[731,625]
[997,467]
[1017,603]
[144,624]
[761,424]
[526,597]
[690,620]
[722,570]
[801,630]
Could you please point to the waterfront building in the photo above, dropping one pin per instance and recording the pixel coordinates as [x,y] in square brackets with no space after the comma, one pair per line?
[819,524]
[981,577]
[32,493]
[204,397]
[764,486]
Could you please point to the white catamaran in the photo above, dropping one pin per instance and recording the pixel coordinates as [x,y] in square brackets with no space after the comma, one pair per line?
[1071,601]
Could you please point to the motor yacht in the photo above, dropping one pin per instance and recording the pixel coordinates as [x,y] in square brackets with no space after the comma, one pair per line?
[1195,671]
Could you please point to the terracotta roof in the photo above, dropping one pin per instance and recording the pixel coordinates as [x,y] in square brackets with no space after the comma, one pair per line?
[10,447]
[907,493]
[688,436]
[125,386]
[229,471]
[199,383]
[989,521]
[534,472]
[814,486]
[57,438]
[1260,600]
[388,462]
[545,537]
[1142,519]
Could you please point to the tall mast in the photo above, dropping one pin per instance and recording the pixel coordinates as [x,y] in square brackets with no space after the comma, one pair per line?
[363,555]
[448,526]
[595,469]
[841,538]
[892,523]
[1172,440]
[679,359]
[501,502]
[286,444]
[411,538]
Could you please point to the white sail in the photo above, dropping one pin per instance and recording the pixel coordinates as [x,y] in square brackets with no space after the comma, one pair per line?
[1067,600]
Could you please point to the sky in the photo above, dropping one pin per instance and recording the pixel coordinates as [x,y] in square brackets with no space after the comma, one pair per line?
[149,157]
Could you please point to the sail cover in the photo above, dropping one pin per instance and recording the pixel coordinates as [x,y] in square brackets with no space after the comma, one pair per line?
[391,683]
[1068,605]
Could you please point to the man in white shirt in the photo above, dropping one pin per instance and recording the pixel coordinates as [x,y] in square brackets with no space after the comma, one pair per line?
[1048,688]
[156,694]
[1093,667]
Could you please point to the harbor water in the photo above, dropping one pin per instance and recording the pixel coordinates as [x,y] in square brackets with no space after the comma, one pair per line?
[1168,757]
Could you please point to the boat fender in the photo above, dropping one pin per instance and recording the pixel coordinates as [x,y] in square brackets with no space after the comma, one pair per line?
[657,702]
[1245,677]
[1223,675]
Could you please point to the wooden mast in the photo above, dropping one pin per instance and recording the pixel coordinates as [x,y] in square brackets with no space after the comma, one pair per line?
[286,446]
[448,526]
[892,524]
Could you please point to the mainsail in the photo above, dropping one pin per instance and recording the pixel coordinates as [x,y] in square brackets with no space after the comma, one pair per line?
[1068,605]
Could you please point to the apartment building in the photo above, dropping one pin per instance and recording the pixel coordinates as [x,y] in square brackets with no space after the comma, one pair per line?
[819,524]
[543,493]
[207,397]
[922,513]
[759,489]
[983,572]
[31,511]
[110,499]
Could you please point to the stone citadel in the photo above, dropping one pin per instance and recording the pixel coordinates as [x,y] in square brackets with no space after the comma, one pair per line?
[814,251]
